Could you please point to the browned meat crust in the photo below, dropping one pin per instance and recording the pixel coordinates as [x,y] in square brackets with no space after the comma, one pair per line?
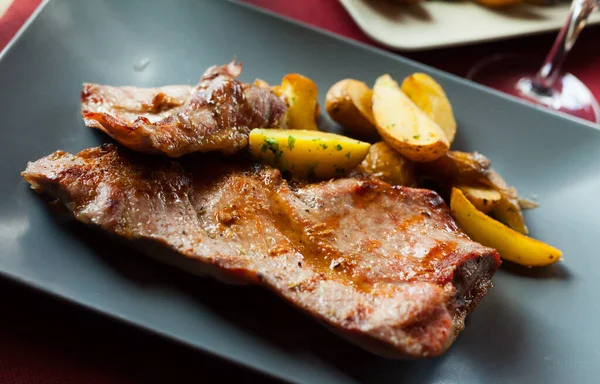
[216,115]
[386,267]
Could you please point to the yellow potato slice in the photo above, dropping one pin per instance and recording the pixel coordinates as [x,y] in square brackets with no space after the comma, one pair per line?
[349,103]
[511,245]
[404,126]
[428,95]
[384,162]
[300,94]
[307,153]
[482,197]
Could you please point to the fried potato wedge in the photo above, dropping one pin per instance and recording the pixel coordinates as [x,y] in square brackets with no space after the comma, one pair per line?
[384,162]
[428,95]
[307,153]
[404,126]
[300,94]
[349,103]
[511,245]
[482,197]
[458,167]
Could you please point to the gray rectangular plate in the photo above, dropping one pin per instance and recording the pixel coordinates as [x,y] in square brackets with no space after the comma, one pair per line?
[536,326]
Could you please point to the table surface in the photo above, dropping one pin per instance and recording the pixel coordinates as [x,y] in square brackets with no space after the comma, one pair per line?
[43,340]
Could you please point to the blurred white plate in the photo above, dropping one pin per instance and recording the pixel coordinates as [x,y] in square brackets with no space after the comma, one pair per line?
[434,24]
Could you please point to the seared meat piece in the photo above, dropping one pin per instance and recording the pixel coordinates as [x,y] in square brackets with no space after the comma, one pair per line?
[216,115]
[384,266]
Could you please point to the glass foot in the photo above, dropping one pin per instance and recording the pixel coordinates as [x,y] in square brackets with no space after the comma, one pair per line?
[513,74]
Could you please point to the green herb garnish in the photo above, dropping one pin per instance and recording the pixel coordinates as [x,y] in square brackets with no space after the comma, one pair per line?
[291,142]
[273,146]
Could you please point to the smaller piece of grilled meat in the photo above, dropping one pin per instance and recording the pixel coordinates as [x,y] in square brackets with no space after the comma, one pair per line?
[216,115]
[386,267]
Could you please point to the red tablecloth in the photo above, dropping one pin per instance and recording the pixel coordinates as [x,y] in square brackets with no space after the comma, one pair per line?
[45,341]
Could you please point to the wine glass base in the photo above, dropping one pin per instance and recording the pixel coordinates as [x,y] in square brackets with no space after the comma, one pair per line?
[513,74]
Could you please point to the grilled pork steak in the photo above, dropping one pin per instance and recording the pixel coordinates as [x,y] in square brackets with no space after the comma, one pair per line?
[216,115]
[386,267]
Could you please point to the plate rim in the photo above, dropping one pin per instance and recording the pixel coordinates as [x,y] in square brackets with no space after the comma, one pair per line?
[349,6]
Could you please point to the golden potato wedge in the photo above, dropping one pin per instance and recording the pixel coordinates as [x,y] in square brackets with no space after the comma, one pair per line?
[307,153]
[404,126]
[428,95]
[510,244]
[300,94]
[384,162]
[482,197]
[498,3]
[349,103]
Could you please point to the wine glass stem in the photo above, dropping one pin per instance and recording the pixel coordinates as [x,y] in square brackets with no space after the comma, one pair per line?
[548,73]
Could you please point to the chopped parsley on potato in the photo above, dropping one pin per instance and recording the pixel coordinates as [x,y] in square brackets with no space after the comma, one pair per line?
[307,153]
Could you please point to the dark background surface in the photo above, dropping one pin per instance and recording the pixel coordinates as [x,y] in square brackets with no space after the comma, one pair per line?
[43,340]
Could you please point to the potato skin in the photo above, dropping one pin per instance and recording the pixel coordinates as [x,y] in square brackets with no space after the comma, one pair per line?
[306,153]
[484,198]
[404,126]
[458,167]
[509,212]
[349,103]
[384,162]
[510,244]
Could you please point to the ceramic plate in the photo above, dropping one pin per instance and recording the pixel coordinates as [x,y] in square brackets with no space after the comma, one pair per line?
[435,24]
[537,326]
